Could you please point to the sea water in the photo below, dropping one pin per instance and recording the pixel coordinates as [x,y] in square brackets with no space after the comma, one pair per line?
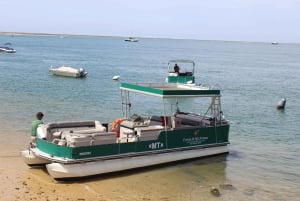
[264,161]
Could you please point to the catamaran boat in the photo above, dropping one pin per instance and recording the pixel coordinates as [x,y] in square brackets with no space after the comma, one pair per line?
[68,72]
[142,137]
[181,71]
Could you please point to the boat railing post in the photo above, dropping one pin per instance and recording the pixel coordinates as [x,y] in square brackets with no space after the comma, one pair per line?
[221,117]
[125,103]
[165,123]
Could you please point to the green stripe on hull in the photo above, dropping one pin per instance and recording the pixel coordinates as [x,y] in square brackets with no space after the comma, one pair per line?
[181,79]
[198,136]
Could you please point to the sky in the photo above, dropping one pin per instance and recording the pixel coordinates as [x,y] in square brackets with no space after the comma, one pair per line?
[228,20]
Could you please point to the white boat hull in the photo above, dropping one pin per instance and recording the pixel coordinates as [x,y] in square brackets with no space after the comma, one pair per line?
[68,72]
[116,77]
[59,170]
[33,160]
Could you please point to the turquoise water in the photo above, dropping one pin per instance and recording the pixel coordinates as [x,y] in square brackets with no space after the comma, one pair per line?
[264,160]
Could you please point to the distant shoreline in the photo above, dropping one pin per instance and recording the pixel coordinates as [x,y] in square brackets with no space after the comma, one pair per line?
[50,34]
[75,35]
[86,35]
[98,36]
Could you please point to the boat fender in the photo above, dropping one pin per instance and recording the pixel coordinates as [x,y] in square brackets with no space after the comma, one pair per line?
[115,127]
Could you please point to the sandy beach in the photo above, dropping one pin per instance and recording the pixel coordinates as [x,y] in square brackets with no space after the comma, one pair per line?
[20,182]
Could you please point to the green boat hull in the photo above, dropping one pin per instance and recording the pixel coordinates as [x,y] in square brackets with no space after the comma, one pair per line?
[168,140]
[181,79]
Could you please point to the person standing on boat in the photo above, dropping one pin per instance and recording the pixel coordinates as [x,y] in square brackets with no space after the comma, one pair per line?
[35,124]
[176,69]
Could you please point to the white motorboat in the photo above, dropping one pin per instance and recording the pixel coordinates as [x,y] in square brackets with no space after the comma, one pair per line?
[68,71]
[183,74]
[131,39]
[116,77]
[6,48]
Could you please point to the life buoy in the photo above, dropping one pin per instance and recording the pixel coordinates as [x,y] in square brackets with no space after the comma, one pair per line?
[115,127]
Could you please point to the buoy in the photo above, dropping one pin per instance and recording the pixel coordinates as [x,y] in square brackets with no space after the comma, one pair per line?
[281,104]
[116,77]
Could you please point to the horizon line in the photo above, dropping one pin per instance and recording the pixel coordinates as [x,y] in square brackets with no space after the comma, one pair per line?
[89,35]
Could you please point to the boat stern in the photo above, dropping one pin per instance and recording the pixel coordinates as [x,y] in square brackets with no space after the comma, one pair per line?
[33,160]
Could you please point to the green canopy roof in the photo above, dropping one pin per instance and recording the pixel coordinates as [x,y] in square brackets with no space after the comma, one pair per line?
[168,90]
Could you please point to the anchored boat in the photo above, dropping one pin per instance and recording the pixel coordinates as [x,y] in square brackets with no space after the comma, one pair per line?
[6,48]
[69,72]
[131,39]
[84,148]
[181,71]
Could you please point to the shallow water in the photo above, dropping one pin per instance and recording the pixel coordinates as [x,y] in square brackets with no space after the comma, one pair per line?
[263,163]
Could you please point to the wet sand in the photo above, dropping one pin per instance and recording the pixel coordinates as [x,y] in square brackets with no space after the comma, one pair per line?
[20,182]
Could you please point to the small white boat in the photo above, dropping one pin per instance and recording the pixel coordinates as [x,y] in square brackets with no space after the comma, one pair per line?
[6,48]
[116,77]
[131,39]
[183,74]
[68,72]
